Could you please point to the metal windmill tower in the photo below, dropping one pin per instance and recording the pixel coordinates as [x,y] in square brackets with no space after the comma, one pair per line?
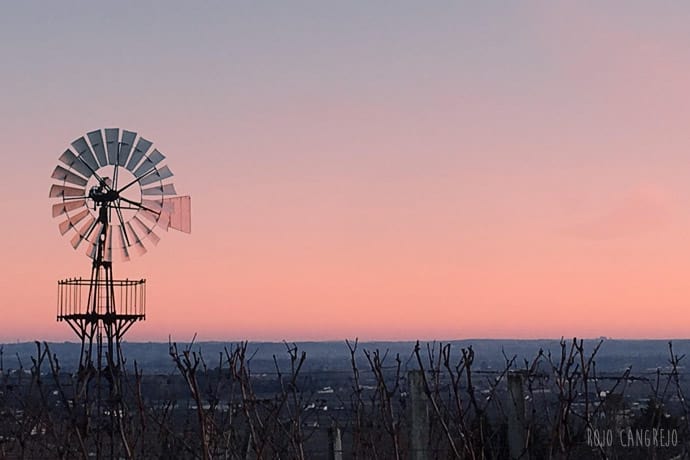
[113,193]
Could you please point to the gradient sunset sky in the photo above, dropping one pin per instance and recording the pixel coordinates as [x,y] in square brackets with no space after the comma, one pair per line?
[386,170]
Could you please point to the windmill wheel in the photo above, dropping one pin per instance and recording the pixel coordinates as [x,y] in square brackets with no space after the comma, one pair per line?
[112,185]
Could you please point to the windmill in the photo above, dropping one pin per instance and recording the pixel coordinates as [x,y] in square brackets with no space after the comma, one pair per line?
[113,194]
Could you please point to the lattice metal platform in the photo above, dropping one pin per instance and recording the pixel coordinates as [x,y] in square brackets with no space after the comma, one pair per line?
[74,293]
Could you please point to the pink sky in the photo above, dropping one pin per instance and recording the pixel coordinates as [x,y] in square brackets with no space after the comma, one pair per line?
[384,172]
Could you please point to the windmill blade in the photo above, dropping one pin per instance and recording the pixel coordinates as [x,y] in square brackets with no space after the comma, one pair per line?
[131,232]
[152,211]
[156,176]
[95,233]
[165,189]
[149,163]
[146,231]
[138,205]
[72,221]
[161,219]
[63,174]
[71,160]
[83,232]
[77,239]
[92,239]
[126,146]
[62,191]
[153,205]
[161,212]
[137,245]
[122,255]
[91,250]
[62,208]
[123,249]
[122,223]
[108,253]
[112,141]
[96,139]
[140,150]
[84,163]
[85,154]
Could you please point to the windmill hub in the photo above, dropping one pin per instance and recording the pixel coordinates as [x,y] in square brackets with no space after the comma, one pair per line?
[100,194]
